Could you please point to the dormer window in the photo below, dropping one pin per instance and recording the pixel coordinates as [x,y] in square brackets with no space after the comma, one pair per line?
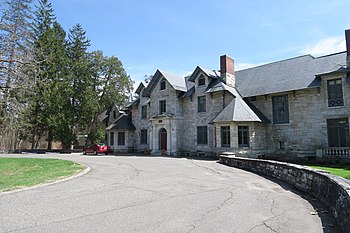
[201,81]
[162,85]
[114,114]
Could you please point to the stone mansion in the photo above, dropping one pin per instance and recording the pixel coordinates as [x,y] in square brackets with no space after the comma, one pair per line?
[294,107]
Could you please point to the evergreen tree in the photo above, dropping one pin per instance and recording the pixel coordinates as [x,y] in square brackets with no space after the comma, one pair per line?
[43,36]
[83,87]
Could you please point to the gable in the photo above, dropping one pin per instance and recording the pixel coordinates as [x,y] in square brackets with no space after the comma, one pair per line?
[202,71]
[176,82]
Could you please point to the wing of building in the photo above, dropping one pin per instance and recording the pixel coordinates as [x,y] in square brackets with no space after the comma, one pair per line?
[293,107]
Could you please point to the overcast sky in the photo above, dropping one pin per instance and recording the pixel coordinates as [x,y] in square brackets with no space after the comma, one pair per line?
[176,36]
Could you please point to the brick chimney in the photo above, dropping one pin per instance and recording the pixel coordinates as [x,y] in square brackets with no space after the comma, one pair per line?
[347,39]
[227,70]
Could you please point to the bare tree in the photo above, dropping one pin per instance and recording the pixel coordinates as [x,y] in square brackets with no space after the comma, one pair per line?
[15,71]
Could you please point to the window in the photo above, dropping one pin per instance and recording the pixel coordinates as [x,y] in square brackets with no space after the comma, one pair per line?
[111,138]
[335,93]
[201,81]
[143,136]
[338,132]
[144,112]
[121,138]
[162,106]
[225,136]
[202,135]
[243,136]
[114,114]
[162,84]
[201,104]
[280,109]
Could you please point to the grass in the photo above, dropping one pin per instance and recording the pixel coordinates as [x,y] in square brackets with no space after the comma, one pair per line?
[343,171]
[24,172]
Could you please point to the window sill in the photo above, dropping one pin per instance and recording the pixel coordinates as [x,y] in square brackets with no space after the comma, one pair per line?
[282,124]
[337,107]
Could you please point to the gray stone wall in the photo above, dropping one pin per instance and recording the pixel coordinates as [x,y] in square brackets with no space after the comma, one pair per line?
[331,190]
[215,103]
[308,114]
[257,139]
[141,124]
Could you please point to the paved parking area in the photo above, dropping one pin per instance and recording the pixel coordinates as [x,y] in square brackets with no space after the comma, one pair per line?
[160,194]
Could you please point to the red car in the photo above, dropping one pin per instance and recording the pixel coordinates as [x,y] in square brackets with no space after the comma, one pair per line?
[95,149]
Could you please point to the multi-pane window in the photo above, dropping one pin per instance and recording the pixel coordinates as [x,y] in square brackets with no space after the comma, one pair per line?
[162,106]
[201,104]
[280,109]
[201,80]
[111,138]
[225,136]
[202,135]
[121,138]
[335,93]
[162,84]
[243,136]
[338,132]
[144,112]
[143,136]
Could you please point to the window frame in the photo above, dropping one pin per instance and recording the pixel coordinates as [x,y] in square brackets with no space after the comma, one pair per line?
[121,139]
[144,112]
[111,138]
[202,135]
[243,135]
[201,103]
[336,128]
[143,137]
[280,103]
[335,93]
[162,106]
[162,84]
[225,133]
[201,81]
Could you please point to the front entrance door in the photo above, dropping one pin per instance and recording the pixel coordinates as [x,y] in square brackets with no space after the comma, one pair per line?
[163,139]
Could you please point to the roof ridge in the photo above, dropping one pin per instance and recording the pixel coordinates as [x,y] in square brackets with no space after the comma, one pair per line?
[328,55]
[275,62]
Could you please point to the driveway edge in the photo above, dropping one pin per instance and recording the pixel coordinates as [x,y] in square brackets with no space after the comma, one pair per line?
[84,172]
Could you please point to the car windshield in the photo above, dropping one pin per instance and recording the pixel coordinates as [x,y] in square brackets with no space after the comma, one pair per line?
[101,144]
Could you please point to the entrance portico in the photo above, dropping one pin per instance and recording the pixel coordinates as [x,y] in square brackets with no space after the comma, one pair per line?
[163,135]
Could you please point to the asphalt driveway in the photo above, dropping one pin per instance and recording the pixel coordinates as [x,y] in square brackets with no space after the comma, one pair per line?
[161,194]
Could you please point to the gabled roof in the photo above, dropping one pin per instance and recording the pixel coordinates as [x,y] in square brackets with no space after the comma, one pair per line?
[177,82]
[132,103]
[122,122]
[287,75]
[236,110]
[209,73]
[141,86]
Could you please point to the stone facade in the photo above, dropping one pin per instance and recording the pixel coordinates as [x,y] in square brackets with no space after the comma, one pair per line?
[285,112]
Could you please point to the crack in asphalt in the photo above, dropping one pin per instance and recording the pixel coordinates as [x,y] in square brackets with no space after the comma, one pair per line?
[217,208]
[264,223]
[36,224]
[210,169]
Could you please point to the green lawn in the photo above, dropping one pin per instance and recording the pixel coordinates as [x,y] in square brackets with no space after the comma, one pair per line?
[343,171]
[24,172]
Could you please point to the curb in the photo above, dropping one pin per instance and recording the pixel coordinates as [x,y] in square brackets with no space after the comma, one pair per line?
[84,172]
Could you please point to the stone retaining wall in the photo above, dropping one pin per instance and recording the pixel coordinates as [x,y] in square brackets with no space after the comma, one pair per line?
[331,190]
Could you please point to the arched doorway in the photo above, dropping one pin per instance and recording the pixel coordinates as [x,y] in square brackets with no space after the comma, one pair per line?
[162,139]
